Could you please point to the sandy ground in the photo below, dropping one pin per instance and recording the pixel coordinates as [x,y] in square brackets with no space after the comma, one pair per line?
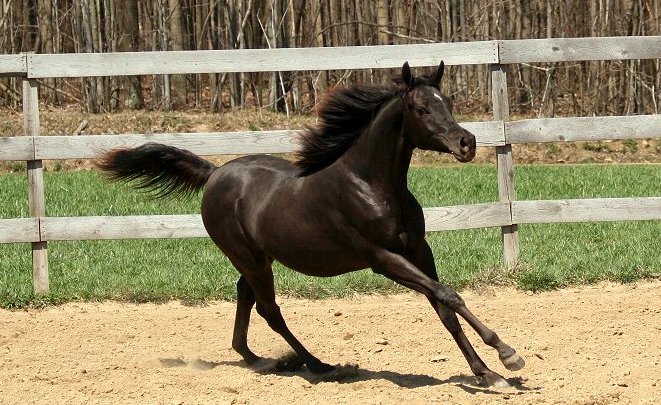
[589,345]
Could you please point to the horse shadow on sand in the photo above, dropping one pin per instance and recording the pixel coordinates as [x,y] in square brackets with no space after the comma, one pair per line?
[290,365]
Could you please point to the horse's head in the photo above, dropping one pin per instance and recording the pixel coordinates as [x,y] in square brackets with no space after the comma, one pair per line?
[428,120]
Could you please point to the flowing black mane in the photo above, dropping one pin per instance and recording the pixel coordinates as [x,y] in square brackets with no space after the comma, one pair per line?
[342,117]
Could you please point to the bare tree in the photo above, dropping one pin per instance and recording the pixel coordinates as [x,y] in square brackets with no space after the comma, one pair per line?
[129,41]
[586,88]
[175,24]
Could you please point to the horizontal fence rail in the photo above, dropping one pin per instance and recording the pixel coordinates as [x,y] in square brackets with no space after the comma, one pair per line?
[490,133]
[13,65]
[579,49]
[448,218]
[260,60]
[330,58]
[583,129]
[201,143]
[586,210]
[500,133]
[16,230]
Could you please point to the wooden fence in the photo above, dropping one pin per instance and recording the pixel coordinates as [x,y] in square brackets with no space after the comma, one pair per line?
[500,133]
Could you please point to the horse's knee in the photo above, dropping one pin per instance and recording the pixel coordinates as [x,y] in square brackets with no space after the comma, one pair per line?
[450,299]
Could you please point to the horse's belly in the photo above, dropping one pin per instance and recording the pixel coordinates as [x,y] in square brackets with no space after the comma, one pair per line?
[321,264]
[310,245]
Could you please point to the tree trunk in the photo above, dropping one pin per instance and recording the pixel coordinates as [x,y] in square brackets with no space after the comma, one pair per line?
[129,42]
[44,21]
[382,22]
[88,28]
[321,86]
[178,82]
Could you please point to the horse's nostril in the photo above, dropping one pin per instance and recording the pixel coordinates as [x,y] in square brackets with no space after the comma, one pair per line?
[464,143]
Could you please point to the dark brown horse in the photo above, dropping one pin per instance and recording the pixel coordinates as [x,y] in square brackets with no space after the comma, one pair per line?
[342,206]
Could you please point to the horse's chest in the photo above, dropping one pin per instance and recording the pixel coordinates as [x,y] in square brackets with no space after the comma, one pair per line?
[380,216]
[389,229]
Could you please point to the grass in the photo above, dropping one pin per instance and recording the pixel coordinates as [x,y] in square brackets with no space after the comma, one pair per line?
[557,255]
[194,271]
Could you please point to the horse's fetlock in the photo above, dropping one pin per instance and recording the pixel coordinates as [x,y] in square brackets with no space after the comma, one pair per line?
[238,347]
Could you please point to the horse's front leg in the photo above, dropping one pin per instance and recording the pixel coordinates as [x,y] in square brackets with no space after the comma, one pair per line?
[422,277]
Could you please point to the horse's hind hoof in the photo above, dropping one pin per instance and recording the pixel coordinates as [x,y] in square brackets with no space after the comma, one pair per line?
[338,373]
[289,363]
[513,362]
[321,368]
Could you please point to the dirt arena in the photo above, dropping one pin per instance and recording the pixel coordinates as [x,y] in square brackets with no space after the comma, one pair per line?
[590,345]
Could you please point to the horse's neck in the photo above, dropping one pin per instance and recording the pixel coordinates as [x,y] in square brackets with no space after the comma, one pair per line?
[381,155]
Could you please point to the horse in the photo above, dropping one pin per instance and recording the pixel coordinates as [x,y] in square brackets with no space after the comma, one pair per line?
[341,205]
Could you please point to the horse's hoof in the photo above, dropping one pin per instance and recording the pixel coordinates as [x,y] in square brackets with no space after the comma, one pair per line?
[322,368]
[500,383]
[262,365]
[251,360]
[289,363]
[513,362]
[495,380]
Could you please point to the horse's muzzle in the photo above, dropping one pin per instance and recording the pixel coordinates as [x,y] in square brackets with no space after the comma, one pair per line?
[467,147]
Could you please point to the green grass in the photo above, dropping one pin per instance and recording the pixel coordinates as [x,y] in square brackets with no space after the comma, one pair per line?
[557,255]
[193,270]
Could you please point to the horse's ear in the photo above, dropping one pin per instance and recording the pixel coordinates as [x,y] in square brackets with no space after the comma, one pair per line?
[407,77]
[439,73]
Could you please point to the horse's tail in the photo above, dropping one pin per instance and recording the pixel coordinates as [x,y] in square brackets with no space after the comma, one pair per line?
[165,170]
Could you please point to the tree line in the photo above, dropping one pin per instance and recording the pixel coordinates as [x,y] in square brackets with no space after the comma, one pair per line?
[576,88]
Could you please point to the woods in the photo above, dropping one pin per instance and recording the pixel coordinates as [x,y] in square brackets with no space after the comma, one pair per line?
[551,89]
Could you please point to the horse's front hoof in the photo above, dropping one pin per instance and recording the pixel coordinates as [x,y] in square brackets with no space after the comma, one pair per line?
[513,362]
[495,380]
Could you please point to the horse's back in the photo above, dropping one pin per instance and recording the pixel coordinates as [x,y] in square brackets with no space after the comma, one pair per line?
[257,164]
[258,172]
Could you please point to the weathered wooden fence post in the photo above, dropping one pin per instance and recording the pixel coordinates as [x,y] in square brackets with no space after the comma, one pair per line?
[505,164]
[36,198]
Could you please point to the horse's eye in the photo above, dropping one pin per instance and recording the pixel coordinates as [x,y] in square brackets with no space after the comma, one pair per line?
[421,110]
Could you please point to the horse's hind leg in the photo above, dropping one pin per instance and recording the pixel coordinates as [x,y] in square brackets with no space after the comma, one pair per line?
[263,288]
[245,300]
[256,286]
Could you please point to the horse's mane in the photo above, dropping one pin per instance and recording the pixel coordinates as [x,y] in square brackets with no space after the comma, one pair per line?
[342,116]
